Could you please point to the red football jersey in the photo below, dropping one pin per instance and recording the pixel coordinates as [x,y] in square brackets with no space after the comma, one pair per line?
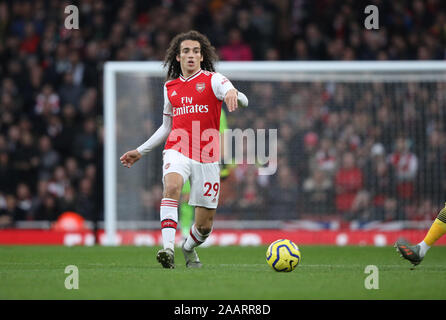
[195,106]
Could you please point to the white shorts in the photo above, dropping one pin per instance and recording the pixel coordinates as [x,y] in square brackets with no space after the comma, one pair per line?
[204,177]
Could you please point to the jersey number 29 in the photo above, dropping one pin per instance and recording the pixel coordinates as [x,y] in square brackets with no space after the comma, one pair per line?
[210,187]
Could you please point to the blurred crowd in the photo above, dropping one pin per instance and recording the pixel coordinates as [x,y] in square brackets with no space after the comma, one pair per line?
[345,150]
[336,154]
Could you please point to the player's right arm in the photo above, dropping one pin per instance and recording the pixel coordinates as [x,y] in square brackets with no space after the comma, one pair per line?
[160,136]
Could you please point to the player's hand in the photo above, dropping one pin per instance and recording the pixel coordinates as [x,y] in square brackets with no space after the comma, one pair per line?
[130,157]
[231,100]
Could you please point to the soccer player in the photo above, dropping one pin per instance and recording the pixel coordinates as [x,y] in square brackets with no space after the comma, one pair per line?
[416,253]
[193,96]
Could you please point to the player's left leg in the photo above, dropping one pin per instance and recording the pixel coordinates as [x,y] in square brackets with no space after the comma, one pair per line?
[204,194]
[199,232]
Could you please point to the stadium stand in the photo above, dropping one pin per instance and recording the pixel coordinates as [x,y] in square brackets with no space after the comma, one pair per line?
[51,108]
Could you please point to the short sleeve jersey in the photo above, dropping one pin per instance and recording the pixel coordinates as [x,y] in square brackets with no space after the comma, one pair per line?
[195,106]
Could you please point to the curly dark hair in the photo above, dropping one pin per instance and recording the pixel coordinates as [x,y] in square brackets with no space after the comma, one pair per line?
[207,50]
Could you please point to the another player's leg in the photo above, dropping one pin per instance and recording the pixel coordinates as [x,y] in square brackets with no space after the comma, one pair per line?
[436,231]
[186,211]
[409,252]
[173,183]
[416,253]
[199,232]
[186,218]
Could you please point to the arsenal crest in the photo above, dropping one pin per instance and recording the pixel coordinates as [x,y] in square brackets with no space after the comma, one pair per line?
[200,86]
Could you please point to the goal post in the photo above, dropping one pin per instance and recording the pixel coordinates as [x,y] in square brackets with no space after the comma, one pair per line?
[133,102]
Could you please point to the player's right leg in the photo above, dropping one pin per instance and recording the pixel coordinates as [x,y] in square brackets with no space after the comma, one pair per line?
[169,218]
[175,172]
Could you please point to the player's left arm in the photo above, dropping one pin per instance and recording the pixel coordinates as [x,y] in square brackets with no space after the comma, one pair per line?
[234,99]
[231,99]
[224,90]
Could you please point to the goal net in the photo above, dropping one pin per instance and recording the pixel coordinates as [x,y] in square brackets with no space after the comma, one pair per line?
[358,142]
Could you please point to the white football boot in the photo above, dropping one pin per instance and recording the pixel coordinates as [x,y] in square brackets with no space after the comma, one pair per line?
[191,257]
[167,258]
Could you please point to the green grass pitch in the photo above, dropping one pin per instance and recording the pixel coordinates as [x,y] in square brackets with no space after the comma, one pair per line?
[325,272]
